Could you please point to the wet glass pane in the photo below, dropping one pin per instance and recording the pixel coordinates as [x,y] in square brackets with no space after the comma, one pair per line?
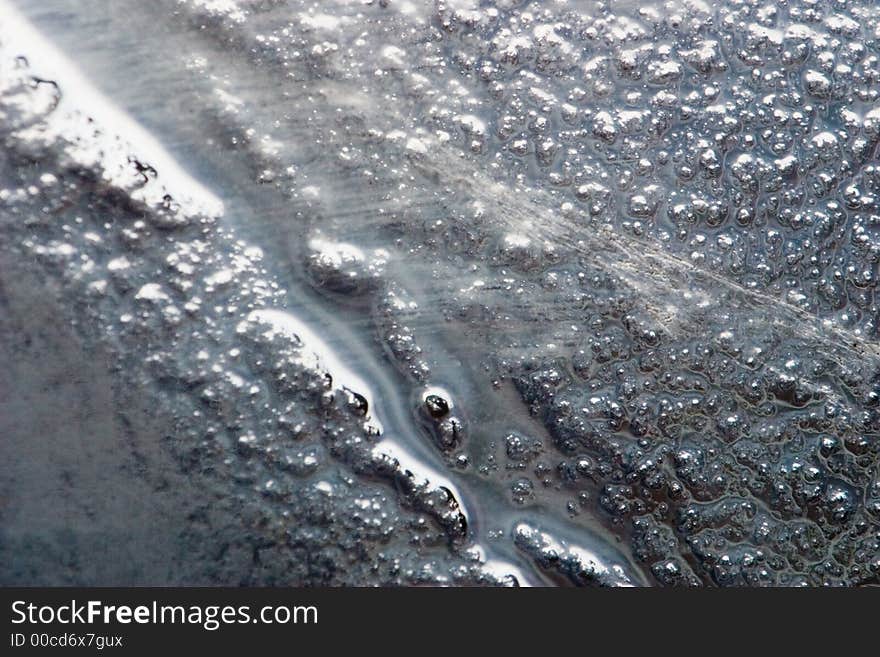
[463,292]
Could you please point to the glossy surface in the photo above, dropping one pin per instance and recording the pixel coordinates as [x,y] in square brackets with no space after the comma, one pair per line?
[456,292]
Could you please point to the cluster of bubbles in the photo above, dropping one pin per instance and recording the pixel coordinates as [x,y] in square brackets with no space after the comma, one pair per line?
[192,321]
[676,266]
[621,255]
